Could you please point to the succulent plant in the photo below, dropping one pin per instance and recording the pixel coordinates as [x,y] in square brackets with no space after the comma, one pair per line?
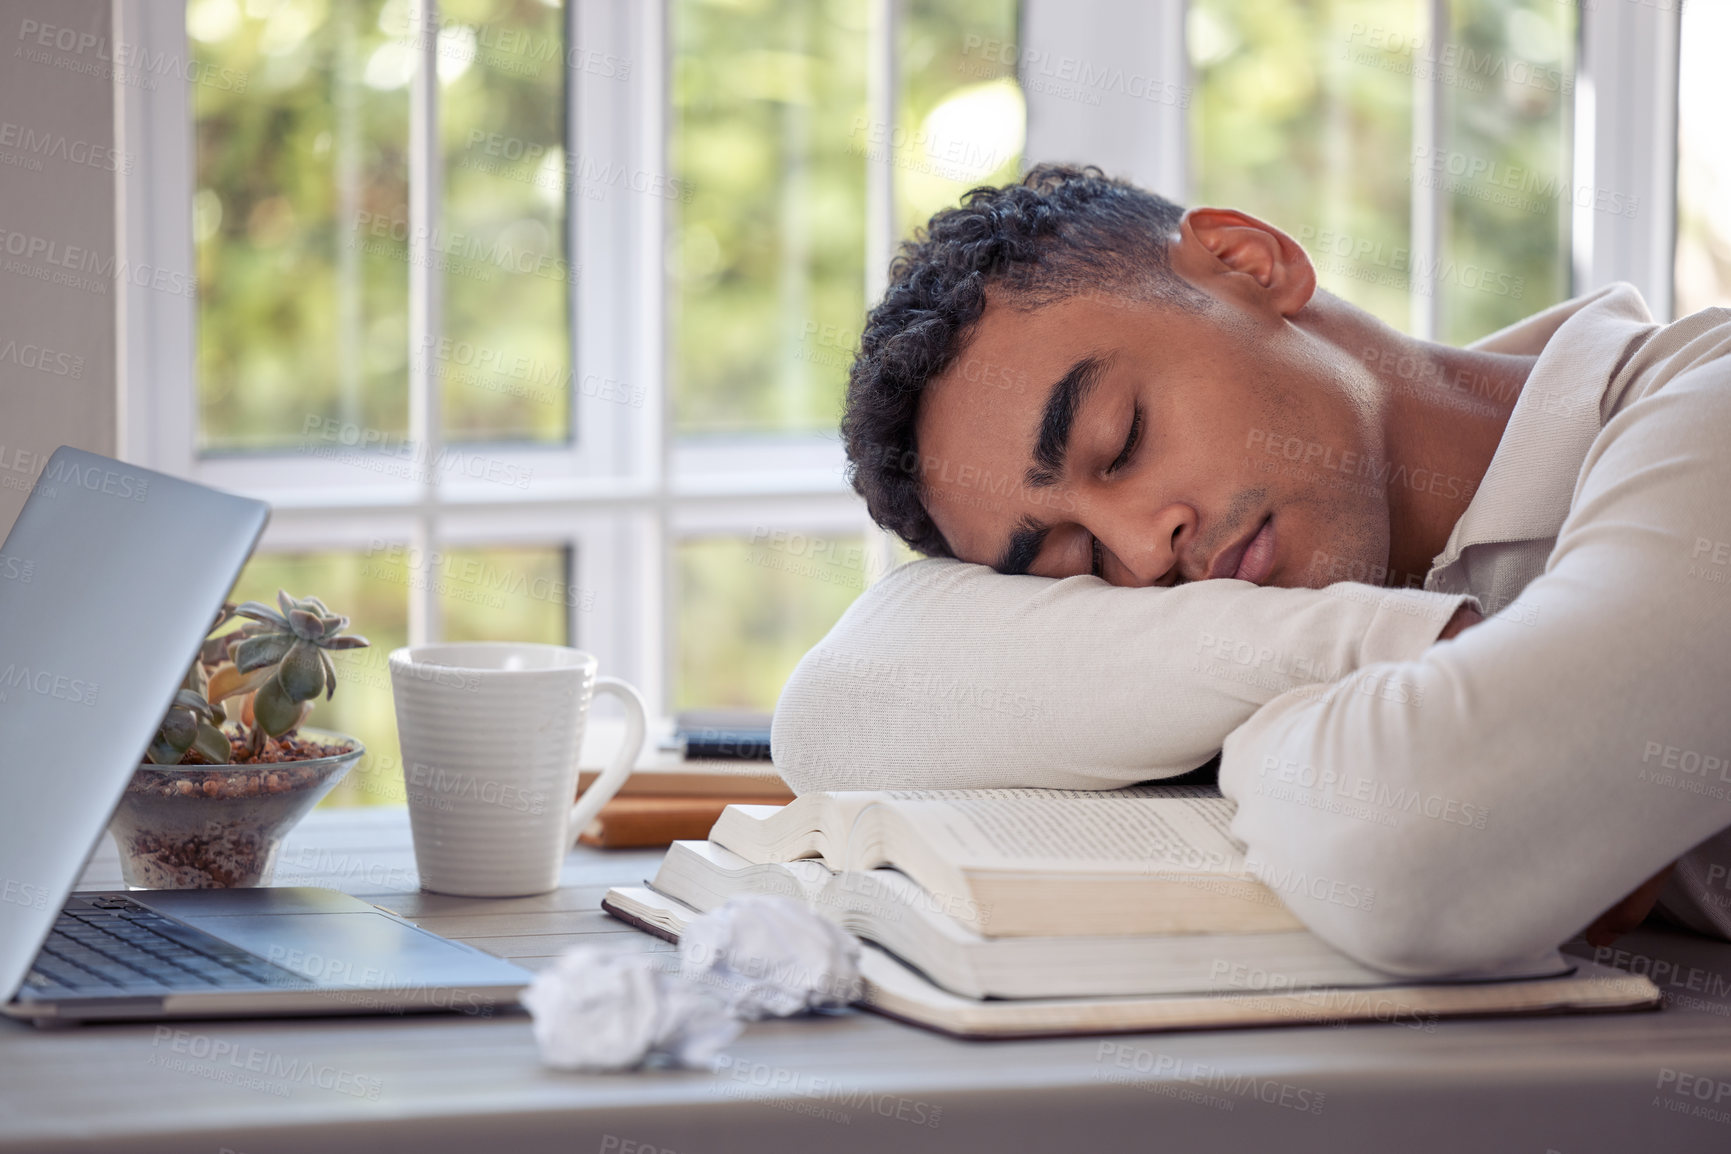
[277,663]
[281,658]
[192,722]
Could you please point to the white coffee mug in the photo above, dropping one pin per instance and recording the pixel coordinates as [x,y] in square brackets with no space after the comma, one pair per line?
[490,733]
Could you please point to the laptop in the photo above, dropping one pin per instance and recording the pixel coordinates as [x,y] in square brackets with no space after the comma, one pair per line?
[109,581]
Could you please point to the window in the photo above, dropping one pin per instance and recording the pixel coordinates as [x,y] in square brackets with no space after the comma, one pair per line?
[1424,164]
[533,319]
[1703,161]
[779,135]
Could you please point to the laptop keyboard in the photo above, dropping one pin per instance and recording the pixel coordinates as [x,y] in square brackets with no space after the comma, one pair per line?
[110,944]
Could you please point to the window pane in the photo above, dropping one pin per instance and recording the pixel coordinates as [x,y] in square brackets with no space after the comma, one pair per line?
[1304,116]
[767,245]
[962,120]
[749,608]
[301,197]
[1301,119]
[371,590]
[506,594]
[1505,164]
[1703,161]
[504,356]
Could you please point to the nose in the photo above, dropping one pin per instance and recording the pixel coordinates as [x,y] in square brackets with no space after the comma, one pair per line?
[1144,548]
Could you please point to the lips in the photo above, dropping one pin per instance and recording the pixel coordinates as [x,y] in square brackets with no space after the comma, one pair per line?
[1251,559]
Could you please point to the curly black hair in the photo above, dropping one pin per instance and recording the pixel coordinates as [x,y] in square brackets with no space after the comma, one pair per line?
[1063,231]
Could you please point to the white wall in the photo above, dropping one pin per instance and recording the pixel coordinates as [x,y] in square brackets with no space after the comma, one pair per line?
[57,222]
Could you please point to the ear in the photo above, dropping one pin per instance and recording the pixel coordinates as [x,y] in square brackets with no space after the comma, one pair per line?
[1224,241]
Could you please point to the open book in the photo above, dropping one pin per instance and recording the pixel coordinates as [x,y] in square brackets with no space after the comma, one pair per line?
[897,991]
[885,907]
[1033,862]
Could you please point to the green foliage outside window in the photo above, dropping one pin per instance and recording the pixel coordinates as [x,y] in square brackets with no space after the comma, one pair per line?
[1303,115]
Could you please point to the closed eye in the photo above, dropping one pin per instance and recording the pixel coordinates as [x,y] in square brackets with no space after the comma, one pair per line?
[1118,462]
[1130,441]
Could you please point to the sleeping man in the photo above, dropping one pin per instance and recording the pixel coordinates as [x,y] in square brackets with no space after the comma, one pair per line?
[1457,621]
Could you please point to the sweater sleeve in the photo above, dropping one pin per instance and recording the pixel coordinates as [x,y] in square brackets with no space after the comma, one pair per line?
[1501,790]
[948,675]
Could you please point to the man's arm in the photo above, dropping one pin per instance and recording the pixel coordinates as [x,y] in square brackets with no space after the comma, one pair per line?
[947,675]
[1633,909]
[1501,791]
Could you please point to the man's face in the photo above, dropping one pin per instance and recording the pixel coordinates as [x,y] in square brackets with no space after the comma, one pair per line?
[1152,444]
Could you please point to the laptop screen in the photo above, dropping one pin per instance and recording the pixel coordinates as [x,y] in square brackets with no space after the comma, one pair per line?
[109,580]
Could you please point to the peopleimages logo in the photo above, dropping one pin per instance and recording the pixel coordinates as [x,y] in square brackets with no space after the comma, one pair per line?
[933,470]
[1458,172]
[222,1060]
[449,573]
[1452,63]
[497,370]
[42,358]
[1070,77]
[517,51]
[77,51]
[95,478]
[1371,260]
[1164,1071]
[395,455]
[1290,880]
[36,146]
[46,683]
[549,167]
[465,254]
[442,789]
[918,150]
[1300,455]
[1380,799]
[82,267]
[19,893]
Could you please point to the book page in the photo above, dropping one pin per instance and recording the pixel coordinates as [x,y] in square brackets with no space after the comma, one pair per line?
[765,833]
[1076,831]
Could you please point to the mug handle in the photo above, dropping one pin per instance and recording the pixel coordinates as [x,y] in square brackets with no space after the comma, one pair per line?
[602,789]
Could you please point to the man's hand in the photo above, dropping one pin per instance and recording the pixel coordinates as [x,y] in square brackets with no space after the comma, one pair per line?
[1630,912]
[1465,618]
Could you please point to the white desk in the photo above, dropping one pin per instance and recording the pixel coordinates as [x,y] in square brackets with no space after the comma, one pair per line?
[855,1082]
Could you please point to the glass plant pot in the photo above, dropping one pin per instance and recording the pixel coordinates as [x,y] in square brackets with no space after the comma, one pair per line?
[219,826]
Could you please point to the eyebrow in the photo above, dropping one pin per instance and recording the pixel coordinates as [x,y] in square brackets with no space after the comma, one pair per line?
[1025,541]
[1052,443]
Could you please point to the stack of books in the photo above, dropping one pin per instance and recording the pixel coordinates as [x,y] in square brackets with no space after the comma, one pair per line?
[710,760]
[1014,913]
[668,799]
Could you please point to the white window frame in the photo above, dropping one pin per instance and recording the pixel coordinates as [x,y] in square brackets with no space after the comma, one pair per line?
[1626,145]
[624,492]
[620,495]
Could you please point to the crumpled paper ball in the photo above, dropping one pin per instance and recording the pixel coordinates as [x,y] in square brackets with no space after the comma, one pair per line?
[771,956]
[597,1008]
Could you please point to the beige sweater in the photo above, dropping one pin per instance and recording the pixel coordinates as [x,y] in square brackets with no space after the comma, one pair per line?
[1496,792]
